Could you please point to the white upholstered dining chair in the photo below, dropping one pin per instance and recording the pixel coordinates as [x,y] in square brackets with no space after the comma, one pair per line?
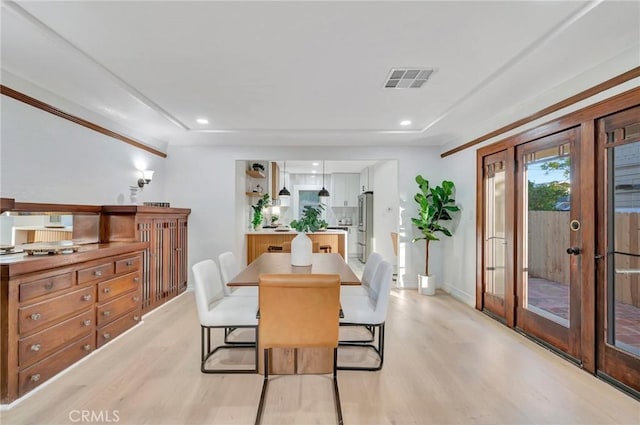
[369,311]
[229,269]
[215,310]
[370,268]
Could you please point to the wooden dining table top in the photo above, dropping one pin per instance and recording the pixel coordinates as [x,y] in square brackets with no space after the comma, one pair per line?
[271,262]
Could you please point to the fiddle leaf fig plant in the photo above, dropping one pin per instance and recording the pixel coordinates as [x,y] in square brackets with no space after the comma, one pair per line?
[258,215]
[311,220]
[435,205]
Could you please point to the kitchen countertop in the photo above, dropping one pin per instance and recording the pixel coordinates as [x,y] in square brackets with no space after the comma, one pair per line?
[293,232]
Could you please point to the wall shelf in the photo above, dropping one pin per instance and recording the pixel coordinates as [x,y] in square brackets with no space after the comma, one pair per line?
[256,174]
[255,194]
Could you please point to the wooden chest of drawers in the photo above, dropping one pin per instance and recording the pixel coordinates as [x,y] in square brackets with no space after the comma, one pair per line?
[41,315]
[58,309]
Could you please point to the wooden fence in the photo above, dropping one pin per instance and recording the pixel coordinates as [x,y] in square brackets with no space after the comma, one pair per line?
[549,235]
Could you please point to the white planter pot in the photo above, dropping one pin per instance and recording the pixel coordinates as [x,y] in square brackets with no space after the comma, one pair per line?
[301,250]
[426,285]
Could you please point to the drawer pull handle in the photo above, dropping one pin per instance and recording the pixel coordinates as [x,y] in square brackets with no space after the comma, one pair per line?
[106,313]
[136,318]
[106,290]
[35,316]
[35,378]
[48,286]
[129,263]
[86,297]
[87,322]
[97,273]
[136,298]
[136,279]
[86,347]
[106,336]
[35,347]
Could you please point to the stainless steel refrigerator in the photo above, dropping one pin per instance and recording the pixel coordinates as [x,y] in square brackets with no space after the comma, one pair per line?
[365,226]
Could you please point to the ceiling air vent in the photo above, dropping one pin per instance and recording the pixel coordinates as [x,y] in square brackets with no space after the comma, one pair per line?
[407,78]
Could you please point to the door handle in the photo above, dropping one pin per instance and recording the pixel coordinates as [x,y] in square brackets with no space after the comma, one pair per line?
[574,250]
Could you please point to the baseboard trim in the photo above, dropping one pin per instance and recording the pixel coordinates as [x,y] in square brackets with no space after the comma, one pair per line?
[456,293]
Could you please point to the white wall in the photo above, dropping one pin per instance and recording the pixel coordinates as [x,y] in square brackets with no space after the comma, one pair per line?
[384,183]
[45,158]
[213,223]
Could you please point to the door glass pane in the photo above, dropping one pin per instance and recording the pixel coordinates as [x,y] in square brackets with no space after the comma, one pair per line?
[623,293]
[547,204]
[494,229]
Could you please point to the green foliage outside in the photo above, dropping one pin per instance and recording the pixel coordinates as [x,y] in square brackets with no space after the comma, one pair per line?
[552,196]
[547,196]
[311,220]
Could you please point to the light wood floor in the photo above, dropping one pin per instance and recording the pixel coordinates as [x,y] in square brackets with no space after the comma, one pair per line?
[445,363]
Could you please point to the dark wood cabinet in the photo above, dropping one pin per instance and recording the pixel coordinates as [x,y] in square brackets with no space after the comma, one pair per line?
[165,262]
[56,309]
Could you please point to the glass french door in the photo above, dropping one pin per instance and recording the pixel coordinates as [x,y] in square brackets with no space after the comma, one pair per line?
[618,248]
[548,225]
[495,251]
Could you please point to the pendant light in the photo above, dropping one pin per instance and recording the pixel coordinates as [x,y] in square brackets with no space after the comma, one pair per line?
[284,191]
[324,193]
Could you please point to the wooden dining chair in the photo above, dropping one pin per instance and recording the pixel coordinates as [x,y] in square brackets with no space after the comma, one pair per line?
[298,311]
[286,247]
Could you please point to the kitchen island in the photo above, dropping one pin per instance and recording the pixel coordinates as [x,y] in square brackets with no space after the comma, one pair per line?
[258,242]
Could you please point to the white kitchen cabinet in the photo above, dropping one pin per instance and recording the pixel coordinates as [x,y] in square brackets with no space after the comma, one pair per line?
[344,189]
[353,189]
[338,190]
[352,239]
[364,180]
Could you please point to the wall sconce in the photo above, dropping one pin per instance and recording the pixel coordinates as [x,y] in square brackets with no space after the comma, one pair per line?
[147,175]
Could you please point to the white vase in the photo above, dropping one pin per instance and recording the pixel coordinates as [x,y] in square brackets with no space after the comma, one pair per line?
[426,285]
[301,250]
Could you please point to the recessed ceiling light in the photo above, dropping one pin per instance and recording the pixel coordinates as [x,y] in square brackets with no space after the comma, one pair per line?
[313,171]
[202,121]
[405,123]
[315,164]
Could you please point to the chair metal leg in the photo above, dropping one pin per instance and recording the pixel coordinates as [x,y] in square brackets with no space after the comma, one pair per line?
[379,349]
[201,344]
[265,383]
[229,331]
[205,355]
[336,393]
[372,331]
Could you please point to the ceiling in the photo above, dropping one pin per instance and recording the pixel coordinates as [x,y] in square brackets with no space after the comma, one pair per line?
[313,73]
[330,167]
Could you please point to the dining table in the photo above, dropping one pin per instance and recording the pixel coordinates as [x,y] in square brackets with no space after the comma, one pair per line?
[287,361]
[280,263]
